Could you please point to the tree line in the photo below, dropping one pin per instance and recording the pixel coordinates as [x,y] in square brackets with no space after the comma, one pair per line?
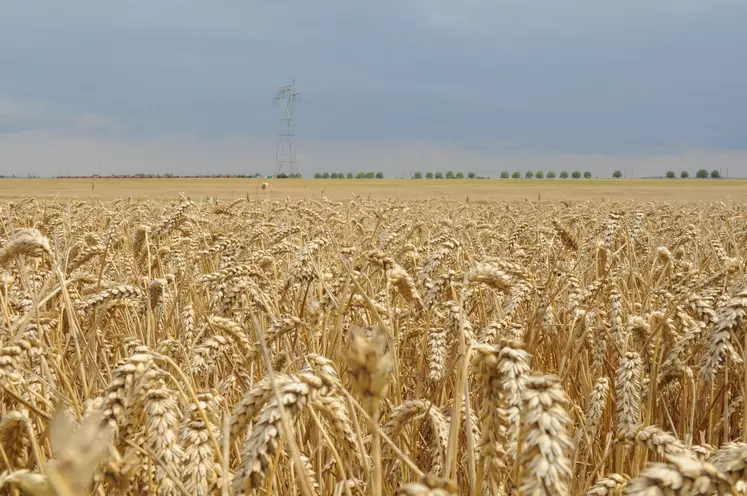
[456,175]
[549,175]
[700,174]
[505,175]
[380,175]
[349,175]
[564,174]
[441,175]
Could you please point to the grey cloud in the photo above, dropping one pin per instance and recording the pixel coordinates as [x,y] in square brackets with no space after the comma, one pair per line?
[17,116]
[573,76]
[52,153]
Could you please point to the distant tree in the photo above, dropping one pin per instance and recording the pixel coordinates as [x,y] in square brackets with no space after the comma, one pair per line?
[529,174]
[429,175]
[379,175]
[460,175]
[701,174]
[563,174]
[551,174]
[516,175]
[471,175]
[684,174]
[340,175]
[439,175]
[325,175]
[417,175]
[617,174]
[370,175]
[715,174]
[449,175]
[360,175]
[333,175]
[504,175]
[539,174]
[350,175]
[670,175]
[576,174]
[282,175]
[587,175]
[317,175]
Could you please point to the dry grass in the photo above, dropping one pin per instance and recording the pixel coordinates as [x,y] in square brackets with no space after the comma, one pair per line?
[372,347]
[408,189]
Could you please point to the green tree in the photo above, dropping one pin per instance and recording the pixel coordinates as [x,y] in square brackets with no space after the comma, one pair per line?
[317,175]
[670,175]
[516,175]
[350,175]
[360,175]
[417,175]
[504,175]
[701,174]
[471,175]
[617,174]
[529,174]
[460,175]
[340,175]
[370,175]
[684,174]
[449,175]
[333,175]
[715,174]
[587,175]
[379,175]
[576,174]
[539,174]
[551,174]
[439,175]
[325,175]
[429,175]
[563,174]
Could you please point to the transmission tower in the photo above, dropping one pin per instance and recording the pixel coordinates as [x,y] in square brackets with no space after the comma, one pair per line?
[285,158]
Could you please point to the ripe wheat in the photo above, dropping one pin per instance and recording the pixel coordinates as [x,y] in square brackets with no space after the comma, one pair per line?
[372,347]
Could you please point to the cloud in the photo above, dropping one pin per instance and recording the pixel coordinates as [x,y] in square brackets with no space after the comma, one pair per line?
[17,115]
[537,77]
[50,152]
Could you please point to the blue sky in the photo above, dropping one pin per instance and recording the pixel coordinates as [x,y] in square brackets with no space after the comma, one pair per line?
[186,86]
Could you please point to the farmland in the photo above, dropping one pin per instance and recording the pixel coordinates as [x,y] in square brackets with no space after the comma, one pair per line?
[346,338]
[339,189]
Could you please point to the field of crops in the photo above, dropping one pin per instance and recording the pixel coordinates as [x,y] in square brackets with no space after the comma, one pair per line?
[364,346]
[676,190]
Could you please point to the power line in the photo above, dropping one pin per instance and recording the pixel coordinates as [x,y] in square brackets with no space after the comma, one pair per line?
[285,156]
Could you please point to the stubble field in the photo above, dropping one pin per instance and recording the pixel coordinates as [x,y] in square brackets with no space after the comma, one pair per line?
[344,345]
[408,189]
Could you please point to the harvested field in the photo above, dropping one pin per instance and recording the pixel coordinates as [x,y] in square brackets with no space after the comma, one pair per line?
[676,190]
[372,346]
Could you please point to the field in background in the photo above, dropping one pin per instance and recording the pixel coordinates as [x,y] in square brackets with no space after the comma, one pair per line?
[337,189]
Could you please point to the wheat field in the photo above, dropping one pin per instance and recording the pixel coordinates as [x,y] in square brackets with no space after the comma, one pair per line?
[407,189]
[370,346]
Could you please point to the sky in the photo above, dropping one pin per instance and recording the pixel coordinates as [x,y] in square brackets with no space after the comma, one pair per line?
[186,87]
